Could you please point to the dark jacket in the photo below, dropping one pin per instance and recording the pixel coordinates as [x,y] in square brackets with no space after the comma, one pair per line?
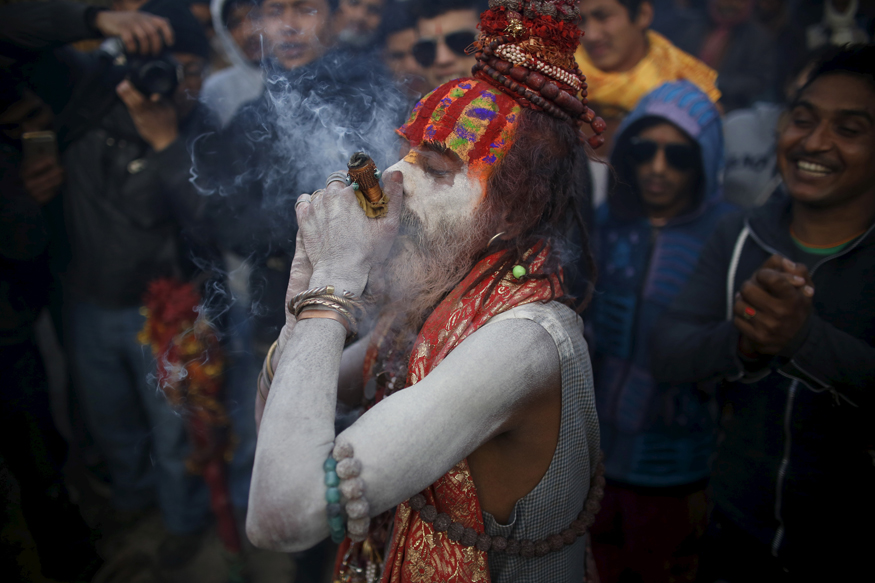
[796,465]
[24,265]
[653,434]
[305,125]
[125,205]
[747,71]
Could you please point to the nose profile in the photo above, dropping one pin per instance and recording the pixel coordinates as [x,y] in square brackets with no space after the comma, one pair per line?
[393,182]
[659,163]
[592,32]
[444,56]
[818,139]
[291,25]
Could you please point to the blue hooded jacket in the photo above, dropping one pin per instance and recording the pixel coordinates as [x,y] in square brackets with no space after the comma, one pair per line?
[654,434]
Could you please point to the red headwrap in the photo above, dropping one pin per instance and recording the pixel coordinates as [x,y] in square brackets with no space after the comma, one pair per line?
[471,118]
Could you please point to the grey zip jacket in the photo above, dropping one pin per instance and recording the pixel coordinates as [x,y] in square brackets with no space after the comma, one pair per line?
[795,467]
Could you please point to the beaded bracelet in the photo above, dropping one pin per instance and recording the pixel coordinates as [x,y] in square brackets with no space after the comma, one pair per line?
[352,487]
[336,521]
[456,531]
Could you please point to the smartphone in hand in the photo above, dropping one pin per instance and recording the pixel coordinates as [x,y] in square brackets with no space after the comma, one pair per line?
[39,145]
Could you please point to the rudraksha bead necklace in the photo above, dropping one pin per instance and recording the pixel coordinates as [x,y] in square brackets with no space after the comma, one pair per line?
[468,537]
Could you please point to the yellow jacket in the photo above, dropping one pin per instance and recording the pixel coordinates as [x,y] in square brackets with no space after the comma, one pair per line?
[616,94]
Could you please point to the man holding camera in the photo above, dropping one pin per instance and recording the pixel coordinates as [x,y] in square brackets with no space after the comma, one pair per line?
[127,199]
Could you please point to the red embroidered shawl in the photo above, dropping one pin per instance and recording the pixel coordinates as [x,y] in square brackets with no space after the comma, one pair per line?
[418,553]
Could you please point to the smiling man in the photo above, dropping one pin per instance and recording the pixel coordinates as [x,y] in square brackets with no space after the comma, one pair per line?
[479,432]
[783,302]
[657,437]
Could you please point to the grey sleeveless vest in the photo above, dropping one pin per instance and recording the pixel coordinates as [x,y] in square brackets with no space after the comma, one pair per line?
[555,502]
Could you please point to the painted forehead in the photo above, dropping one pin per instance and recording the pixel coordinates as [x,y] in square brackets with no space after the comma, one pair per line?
[469,117]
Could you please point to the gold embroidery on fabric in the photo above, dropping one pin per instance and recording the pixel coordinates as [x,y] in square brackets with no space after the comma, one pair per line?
[418,553]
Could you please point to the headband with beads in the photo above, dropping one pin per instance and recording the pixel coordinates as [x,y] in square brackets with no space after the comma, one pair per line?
[526,49]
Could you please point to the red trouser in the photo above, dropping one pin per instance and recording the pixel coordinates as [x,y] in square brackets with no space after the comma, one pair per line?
[650,536]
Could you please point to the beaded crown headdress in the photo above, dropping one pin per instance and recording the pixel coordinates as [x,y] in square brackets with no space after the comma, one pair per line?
[526,49]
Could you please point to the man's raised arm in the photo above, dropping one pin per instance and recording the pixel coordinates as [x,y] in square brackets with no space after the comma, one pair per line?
[405,442]
[37,26]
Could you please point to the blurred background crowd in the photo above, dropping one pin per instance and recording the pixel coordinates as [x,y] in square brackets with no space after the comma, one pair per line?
[150,156]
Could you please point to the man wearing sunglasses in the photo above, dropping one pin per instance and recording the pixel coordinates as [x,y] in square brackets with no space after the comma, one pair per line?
[446,29]
[657,437]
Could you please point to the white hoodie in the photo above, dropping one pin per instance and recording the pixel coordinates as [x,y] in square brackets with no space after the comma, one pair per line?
[226,90]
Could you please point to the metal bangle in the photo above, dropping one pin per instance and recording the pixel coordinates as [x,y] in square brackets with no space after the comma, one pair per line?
[344,298]
[353,322]
[268,365]
[314,312]
[260,386]
[350,305]
[309,293]
[328,303]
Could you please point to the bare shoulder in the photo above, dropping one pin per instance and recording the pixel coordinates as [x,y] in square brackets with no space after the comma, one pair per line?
[513,462]
[515,353]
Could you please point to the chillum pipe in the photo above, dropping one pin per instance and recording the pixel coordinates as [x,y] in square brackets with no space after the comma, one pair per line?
[363,172]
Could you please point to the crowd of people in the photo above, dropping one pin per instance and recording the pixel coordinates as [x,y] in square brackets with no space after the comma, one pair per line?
[154,154]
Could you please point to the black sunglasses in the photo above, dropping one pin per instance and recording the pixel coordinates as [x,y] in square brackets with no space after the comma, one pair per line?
[679,156]
[425,50]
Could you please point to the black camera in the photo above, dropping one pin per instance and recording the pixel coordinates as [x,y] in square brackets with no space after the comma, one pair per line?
[149,75]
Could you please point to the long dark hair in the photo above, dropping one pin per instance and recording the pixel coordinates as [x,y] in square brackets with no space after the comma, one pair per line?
[538,188]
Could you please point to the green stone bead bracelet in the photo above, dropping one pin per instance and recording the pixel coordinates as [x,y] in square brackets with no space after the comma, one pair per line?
[336,520]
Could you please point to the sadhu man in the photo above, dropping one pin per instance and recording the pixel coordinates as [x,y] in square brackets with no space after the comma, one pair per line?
[480,431]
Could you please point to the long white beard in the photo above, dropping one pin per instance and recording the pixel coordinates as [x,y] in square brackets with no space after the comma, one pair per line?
[425,265]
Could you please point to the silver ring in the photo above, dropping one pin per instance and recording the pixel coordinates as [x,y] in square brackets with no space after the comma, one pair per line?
[337,177]
[302,199]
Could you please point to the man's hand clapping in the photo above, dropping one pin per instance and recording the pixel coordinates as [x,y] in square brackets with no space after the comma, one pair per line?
[772,306]
[141,32]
